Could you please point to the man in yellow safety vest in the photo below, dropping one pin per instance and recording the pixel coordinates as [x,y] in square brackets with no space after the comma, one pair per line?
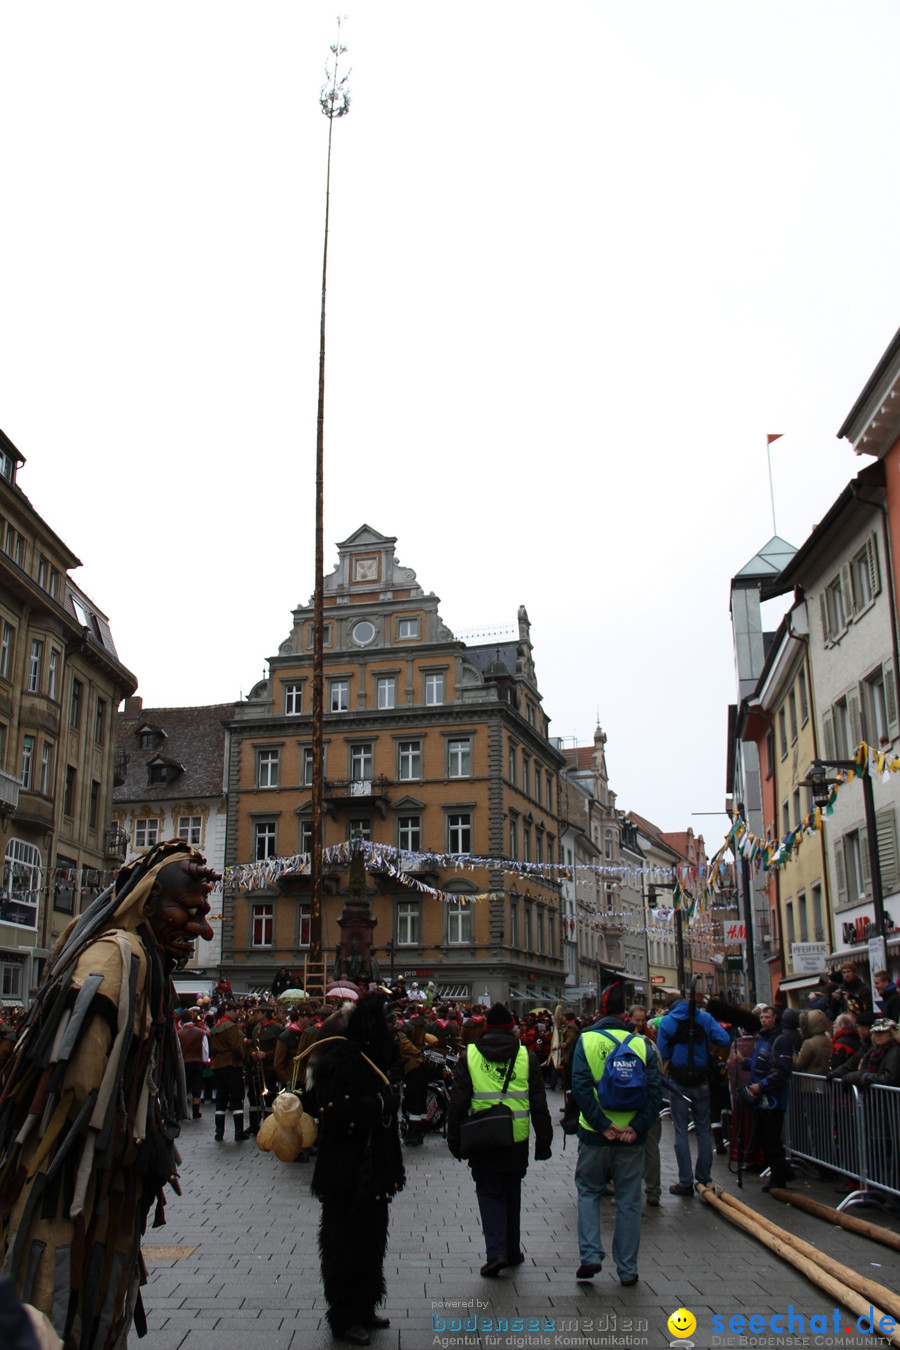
[611,1137]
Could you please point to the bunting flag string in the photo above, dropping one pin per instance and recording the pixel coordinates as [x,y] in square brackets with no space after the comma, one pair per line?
[404,867]
[769,855]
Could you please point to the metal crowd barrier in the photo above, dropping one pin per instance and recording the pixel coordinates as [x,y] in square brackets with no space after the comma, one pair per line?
[854,1134]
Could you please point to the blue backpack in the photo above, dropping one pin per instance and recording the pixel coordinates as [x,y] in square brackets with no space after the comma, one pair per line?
[623,1084]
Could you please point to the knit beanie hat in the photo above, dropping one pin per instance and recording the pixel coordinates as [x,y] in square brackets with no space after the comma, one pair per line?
[612,999]
[500,1018]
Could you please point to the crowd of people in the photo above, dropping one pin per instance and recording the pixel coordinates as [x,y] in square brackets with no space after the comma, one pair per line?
[364,1067]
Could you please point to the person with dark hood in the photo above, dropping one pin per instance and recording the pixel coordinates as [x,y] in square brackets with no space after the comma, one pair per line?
[353,1080]
[771,1067]
[91,1101]
[495,1059]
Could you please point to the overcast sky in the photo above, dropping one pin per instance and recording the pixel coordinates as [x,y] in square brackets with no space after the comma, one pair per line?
[583,259]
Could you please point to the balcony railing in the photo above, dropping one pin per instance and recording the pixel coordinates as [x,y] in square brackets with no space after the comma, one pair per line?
[9,791]
[115,843]
[358,789]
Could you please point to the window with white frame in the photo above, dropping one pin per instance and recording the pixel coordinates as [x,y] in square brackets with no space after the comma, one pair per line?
[189,829]
[308,763]
[513,755]
[6,647]
[459,757]
[304,923]
[526,774]
[339,695]
[360,827]
[262,925]
[46,768]
[409,834]
[146,832]
[20,884]
[836,605]
[865,576]
[264,840]
[514,837]
[514,923]
[874,709]
[408,629]
[293,699]
[53,674]
[409,760]
[459,832]
[10,980]
[267,766]
[26,770]
[35,659]
[306,836]
[538,785]
[362,761]
[434,689]
[408,913]
[460,922]
[386,688]
[526,842]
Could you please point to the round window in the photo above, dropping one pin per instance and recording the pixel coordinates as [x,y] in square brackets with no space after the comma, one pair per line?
[364,633]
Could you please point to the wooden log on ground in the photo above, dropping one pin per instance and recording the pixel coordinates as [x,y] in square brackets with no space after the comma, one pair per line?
[837,1216]
[886,1298]
[748,1219]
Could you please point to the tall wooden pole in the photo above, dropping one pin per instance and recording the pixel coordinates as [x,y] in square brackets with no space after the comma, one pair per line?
[335,102]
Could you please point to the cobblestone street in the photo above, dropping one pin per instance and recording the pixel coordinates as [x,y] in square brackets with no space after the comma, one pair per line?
[239,1268]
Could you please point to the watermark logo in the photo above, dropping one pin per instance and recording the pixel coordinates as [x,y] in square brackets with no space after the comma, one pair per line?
[682,1325]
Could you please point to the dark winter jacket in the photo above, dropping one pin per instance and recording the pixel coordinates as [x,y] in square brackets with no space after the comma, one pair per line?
[772,1063]
[879,1064]
[585,1092]
[846,1051]
[499,1047]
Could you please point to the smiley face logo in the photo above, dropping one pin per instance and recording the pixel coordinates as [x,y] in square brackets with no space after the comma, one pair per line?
[682,1323]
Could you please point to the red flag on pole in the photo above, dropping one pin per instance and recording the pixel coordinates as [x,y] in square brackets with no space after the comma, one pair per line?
[774,436]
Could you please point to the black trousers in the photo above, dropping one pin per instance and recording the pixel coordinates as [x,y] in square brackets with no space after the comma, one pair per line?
[771,1128]
[500,1203]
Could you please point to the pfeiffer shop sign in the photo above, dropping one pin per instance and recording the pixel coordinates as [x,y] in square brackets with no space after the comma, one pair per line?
[735,931]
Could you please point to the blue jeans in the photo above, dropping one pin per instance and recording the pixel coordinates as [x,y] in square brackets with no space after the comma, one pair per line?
[683,1103]
[624,1164]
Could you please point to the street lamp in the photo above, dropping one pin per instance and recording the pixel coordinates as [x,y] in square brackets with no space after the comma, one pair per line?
[818,782]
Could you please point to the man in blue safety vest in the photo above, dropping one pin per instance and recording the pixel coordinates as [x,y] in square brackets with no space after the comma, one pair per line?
[611,1138]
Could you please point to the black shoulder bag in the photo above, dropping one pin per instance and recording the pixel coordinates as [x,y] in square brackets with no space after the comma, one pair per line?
[489,1128]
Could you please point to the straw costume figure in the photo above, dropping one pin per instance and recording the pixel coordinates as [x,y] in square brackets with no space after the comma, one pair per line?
[91,1100]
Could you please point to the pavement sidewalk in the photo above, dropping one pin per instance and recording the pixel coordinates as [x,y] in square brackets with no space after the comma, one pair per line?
[236,1266]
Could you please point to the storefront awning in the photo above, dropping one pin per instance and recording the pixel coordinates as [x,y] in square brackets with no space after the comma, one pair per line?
[799,982]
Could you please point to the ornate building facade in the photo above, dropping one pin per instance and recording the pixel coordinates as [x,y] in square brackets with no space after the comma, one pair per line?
[60,683]
[434,748]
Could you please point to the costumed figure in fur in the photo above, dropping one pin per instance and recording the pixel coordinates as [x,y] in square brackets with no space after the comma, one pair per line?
[359,1167]
[92,1097]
